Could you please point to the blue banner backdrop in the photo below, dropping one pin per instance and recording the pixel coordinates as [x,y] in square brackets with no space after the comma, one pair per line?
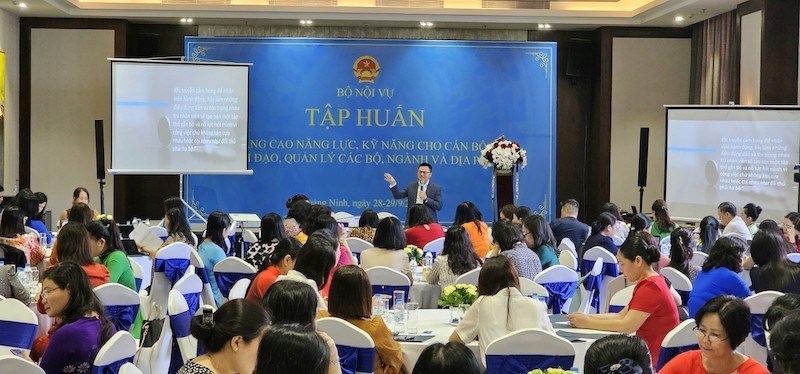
[328,117]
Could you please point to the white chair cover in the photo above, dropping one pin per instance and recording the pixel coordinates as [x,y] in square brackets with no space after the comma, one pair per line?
[121,304]
[159,232]
[239,290]
[180,316]
[356,347]
[138,274]
[249,236]
[171,264]
[470,277]
[435,246]
[385,281]
[528,287]
[568,259]
[755,345]
[18,324]
[794,257]
[129,369]
[207,294]
[614,286]
[561,283]
[681,339]
[567,245]
[229,271]
[14,364]
[358,245]
[620,299]
[679,281]
[617,240]
[528,349]
[117,351]
[698,258]
[610,266]
[382,215]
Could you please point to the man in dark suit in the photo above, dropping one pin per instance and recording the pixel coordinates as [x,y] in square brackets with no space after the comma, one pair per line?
[421,191]
[568,225]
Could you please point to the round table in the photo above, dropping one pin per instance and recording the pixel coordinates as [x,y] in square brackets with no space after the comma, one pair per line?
[427,295]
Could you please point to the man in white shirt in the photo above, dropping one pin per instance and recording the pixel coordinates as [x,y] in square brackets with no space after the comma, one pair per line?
[732,222]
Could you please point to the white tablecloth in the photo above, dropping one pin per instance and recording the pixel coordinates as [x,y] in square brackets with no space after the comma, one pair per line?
[436,322]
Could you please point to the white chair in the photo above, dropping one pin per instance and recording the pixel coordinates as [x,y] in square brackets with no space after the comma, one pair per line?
[156,359]
[615,285]
[470,277]
[14,364]
[171,263]
[679,281]
[567,245]
[207,294]
[30,230]
[180,316]
[665,246]
[117,351]
[383,215]
[385,281]
[793,257]
[239,289]
[534,343]
[609,271]
[159,232]
[435,246]
[18,324]
[617,240]
[568,259]
[698,258]
[620,299]
[560,283]
[228,271]
[587,295]
[351,342]
[755,344]
[681,339]
[121,304]
[196,241]
[129,369]
[249,236]
[528,287]
[343,217]
[358,245]
[138,274]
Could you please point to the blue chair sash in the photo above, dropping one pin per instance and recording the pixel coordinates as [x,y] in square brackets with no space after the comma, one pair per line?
[17,334]
[515,364]
[593,283]
[668,353]
[173,268]
[389,290]
[225,281]
[684,297]
[352,359]
[122,315]
[180,325]
[201,273]
[164,238]
[757,329]
[138,284]
[615,308]
[193,301]
[559,292]
[112,368]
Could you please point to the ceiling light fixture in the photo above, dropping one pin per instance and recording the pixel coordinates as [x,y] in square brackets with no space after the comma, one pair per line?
[678,18]
[425,24]
[544,26]
[23,5]
[306,22]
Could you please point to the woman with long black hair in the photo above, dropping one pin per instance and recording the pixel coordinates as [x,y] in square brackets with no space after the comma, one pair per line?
[213,248]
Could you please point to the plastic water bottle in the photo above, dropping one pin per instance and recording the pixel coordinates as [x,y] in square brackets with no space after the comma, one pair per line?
[23,277]
[28,274]
[428,259]
[413,265]
[377,305]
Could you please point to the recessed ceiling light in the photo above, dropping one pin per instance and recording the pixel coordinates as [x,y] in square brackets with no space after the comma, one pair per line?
[678,18]
[425,24]
[306,22]
[183,20]
[189,20]
[544,26]
[23,5]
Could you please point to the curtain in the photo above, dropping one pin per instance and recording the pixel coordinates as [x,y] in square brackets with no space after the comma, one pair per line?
[715,73]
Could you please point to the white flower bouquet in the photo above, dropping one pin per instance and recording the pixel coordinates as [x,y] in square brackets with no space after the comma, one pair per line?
[503,155]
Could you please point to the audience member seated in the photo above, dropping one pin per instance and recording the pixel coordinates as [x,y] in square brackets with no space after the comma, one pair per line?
[29,203]
[781,308]
[521,213]
[507,212]
[343,255]
[621,229]
[468,216]
[790,221]
[568,225]
[314,262]
[79,195]
[709,233]
[291,302]
[213,248]
[450,358]
[732,222]
[278,262]
[774,272]
[652,312]
[42,205]
[169,203]
[105,244]
[74,245]
[602,232]
[457,258]
[67,296]
[618,354]
[367,224]
[295,348]
[508,242]
[538,236]
[12,234]
[768,225]
[422,230]
[719,275]
[750,214]
[662,225]
[230,337]
[79,213]
[178,230]
[681,253]
[297,213]
[390,240]
[271,233]
[10,285]
[784,344]
[640,223]
[307,224]
[500,308]
[350,299]
[722,325]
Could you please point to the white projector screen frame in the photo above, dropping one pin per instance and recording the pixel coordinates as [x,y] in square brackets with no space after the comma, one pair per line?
[175,117]
[742,154]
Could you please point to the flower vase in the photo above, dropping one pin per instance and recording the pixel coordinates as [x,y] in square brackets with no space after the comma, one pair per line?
[456,314]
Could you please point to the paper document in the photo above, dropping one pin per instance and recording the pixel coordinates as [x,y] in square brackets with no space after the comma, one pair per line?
[142,235]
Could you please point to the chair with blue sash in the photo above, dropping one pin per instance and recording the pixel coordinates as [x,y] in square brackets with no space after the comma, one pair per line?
[207,294]
[665,245]
[159,232]
[621,299]
[680,282]
[793,257]
[755,345]
[156,358]
[248,238]
[435,247]
[138,273]
[681,339]
[470,277]
[356,347]
[171,263]
[528,287]
[184,301]
[358,245]
[239,289]
[567,245]
[560,283]
[599,284]
[129,368]
[121,304]
[385,281]
[569,260]
[14,364]
[18,324]
[229,271]
[698,258]
[117,351]
[528,349]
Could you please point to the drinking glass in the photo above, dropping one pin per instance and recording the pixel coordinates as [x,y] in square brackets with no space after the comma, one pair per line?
[412,318]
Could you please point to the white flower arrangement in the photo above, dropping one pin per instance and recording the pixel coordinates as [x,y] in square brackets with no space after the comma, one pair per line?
[503,154]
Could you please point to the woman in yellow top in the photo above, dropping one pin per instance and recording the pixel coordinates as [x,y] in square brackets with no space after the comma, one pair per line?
[80,195]
[469,217]
[350,298]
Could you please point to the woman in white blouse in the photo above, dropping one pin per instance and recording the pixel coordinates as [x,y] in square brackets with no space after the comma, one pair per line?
[457,258]
[501,308]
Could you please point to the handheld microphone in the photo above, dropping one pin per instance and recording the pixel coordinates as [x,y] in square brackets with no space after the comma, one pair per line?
[420,187]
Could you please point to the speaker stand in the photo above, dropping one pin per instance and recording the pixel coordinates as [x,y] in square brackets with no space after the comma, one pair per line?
[102,183]
[641,198]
